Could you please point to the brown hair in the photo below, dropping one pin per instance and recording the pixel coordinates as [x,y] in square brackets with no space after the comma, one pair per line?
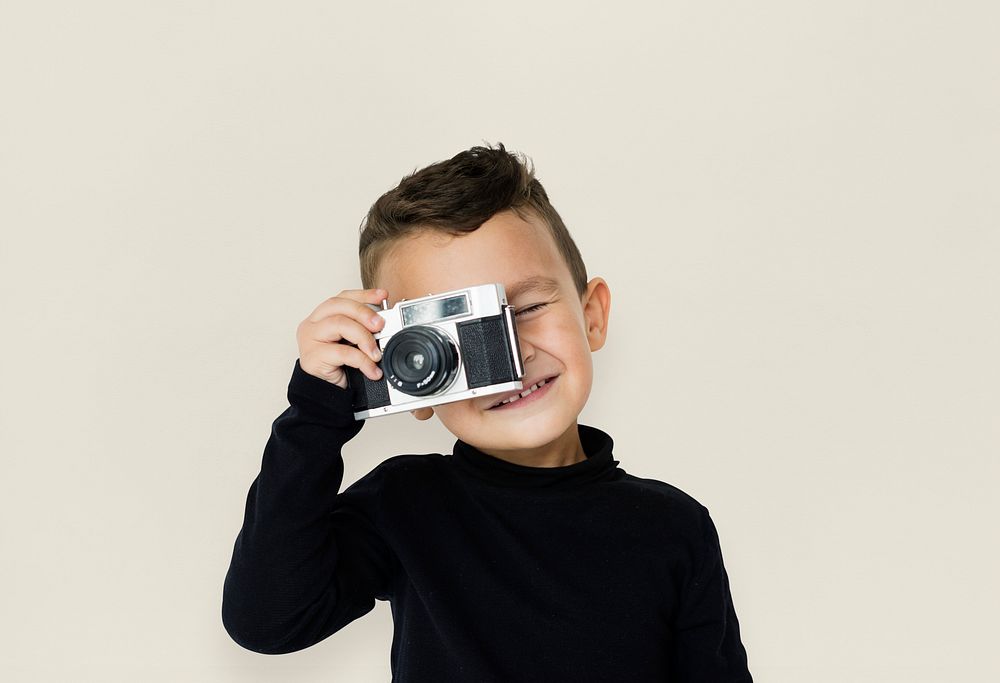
[456,197]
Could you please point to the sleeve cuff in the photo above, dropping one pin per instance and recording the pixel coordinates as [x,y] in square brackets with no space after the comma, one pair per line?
[337,401]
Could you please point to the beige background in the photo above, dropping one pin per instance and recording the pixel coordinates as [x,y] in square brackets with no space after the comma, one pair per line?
[795,205]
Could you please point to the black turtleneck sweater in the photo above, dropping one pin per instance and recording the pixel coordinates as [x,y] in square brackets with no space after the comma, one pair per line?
[494,571]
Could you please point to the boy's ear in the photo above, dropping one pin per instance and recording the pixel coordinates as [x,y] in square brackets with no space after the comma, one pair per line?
[422,413]
[596,309]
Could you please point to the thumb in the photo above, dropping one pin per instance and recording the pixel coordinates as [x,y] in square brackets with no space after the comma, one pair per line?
[422,413]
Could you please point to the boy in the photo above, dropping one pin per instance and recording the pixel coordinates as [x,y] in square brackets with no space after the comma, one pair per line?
[525,555]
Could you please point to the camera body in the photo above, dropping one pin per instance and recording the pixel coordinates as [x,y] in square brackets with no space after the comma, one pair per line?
[441,348]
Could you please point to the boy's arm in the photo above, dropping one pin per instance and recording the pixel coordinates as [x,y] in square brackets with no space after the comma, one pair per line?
[307,561]
[706,647]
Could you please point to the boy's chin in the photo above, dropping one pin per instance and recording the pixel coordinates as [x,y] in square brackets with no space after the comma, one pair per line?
[524,431]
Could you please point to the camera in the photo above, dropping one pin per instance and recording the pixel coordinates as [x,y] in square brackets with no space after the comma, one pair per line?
[441,348]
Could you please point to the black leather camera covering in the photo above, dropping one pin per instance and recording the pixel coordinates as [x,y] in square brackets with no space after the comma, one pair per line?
[485,351]
[367,394]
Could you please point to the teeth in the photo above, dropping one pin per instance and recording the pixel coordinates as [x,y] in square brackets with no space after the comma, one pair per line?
[518,397]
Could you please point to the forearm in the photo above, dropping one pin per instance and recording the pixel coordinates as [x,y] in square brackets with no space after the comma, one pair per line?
[283,590]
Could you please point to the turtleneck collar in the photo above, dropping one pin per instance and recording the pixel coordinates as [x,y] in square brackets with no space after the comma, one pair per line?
[599,465]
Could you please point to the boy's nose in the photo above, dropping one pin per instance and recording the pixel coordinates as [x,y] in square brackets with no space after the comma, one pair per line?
[527,349]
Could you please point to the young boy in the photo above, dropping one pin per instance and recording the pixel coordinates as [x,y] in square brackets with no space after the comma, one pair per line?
[527,554]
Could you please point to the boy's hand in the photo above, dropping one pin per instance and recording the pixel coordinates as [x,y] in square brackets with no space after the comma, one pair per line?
[342,317]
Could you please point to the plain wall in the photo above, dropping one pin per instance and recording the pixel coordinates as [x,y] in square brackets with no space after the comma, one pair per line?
[794,204]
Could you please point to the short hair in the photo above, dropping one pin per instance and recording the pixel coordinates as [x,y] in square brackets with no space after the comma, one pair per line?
[456,197]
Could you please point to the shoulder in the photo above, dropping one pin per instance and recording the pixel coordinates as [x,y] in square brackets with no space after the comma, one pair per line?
[410,466]
[412,461]
[666,499]
[663,490]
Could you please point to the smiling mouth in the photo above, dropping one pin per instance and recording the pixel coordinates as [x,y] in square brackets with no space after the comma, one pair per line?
[533,394]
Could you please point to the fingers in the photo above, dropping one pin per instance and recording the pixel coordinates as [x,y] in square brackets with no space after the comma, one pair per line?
[338,327]
[348,318]
[422,413]
[329,360]
[351,302]
[341,318]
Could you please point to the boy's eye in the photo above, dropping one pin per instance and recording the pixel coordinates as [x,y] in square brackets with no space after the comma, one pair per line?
[530,309]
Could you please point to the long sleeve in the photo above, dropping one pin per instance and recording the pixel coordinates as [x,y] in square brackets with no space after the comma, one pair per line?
[707,646]
[308,560]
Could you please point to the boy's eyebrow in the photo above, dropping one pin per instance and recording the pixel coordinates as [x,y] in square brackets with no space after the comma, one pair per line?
[537,283]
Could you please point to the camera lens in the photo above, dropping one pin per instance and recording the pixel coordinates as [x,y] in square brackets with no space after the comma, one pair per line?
[420,360]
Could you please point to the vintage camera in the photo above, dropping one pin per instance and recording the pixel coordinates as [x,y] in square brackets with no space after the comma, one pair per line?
[441,348]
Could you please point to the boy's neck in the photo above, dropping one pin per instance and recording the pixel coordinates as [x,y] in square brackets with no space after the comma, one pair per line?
[565,450]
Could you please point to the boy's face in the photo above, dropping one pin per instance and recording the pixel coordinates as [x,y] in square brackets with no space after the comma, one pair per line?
[556,339]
